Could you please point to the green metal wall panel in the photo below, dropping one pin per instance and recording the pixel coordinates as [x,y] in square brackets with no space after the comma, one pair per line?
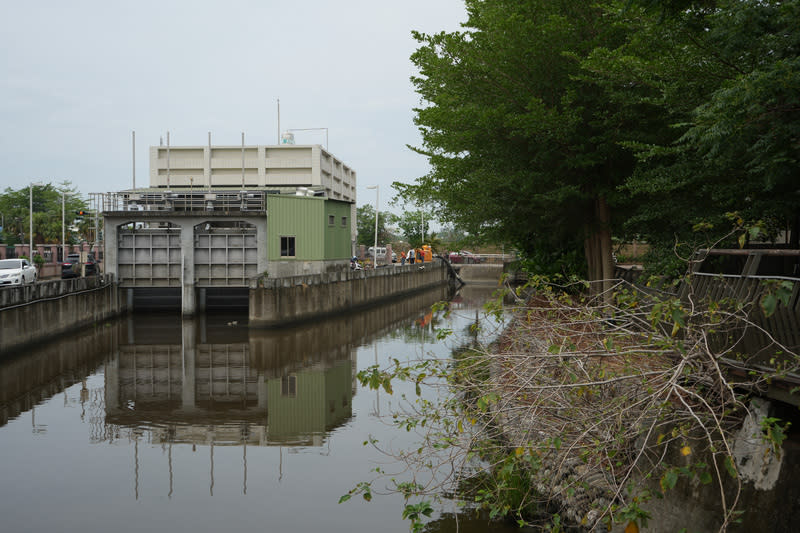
[321,400]
[307,219]
[338,393]
[301,217]
[299,415]
[337,235]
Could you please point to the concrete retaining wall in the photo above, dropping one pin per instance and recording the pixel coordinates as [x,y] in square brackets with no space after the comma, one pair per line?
[481,273]
[35,313]
[279,301]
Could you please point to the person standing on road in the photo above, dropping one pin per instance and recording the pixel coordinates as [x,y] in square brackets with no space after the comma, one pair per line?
[410,256]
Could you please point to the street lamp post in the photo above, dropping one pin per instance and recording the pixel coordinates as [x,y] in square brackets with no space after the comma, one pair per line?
[63,226]
[63,230]
[377,202]
[30,220]
[30,217]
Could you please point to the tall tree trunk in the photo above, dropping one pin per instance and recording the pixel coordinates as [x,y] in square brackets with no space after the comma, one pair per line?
[606,257]
[598,249]
[594,271]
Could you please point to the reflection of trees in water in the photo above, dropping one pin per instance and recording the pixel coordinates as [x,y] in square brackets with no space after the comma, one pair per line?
[467,301]
[33,377]
[421,329]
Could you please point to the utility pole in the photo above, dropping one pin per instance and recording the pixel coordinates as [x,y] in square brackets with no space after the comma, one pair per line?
[375,246]
[63,229]
[133,159]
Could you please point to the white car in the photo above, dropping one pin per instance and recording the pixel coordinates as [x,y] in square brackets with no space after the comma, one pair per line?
[16,272]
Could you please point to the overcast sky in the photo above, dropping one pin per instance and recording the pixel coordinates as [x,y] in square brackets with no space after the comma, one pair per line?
[78,76]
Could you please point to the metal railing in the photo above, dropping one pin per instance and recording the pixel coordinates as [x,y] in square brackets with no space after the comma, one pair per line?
[185,201]
[738,287]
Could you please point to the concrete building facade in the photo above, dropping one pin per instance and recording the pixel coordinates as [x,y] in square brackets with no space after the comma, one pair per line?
[251,167]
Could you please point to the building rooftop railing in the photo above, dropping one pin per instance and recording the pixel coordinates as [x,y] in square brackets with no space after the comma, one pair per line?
[217,199]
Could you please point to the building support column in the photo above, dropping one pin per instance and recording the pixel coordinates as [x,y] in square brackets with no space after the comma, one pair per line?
[111,388]
[110,247]
[188,297]
[189,354]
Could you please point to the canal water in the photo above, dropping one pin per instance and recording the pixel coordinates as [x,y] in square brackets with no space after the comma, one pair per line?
[153,422]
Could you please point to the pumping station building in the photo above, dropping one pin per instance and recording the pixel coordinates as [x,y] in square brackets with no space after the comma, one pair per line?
[215,217]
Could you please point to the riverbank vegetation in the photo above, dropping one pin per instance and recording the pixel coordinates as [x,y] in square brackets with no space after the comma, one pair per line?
[555,127]
[586,414]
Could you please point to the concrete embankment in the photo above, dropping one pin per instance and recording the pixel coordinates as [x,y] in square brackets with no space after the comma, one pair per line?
[483,274]
[34,313]
[279,301]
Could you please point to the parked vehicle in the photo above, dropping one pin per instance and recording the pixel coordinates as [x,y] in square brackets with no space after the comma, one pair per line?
[91,266]
[72,268]
[470,258]
[381,252]
[464,256]
[16,272]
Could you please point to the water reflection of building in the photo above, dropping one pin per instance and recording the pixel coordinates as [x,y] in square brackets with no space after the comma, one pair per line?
[201,390]
[206,381]
[210,381]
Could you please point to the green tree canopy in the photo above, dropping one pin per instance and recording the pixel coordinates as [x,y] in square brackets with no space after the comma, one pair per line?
[411,224]
[522,151]
[726,85]
[47,208]
[365,223]
[551,124]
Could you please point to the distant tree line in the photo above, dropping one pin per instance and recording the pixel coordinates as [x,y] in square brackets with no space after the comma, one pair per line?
[392,228]
[15,207]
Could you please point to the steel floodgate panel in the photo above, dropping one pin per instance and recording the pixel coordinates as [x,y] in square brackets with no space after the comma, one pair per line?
[149,258]
[226,257]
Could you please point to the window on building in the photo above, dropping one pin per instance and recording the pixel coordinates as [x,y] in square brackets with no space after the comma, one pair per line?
[287,247]
[344,222]
[331,220]
[289,386]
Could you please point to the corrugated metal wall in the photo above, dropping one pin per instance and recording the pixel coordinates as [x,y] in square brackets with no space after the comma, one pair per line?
[317,400]
[317,235]
[337,235]
[300,217]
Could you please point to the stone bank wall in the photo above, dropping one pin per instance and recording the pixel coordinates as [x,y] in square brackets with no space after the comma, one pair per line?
[34,313]
[274,302]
